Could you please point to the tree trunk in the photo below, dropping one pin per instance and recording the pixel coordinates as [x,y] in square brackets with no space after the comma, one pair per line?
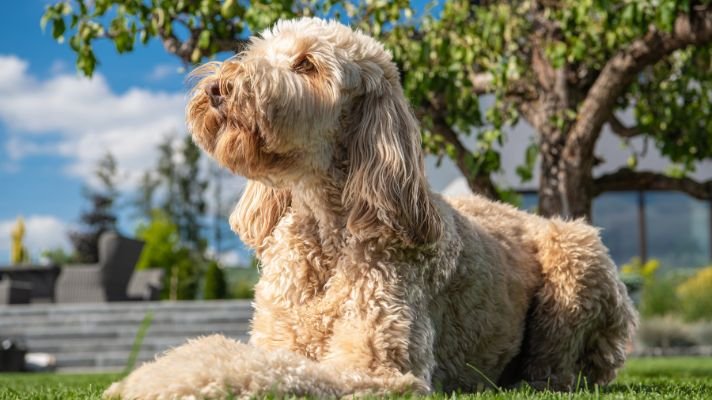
[566,183]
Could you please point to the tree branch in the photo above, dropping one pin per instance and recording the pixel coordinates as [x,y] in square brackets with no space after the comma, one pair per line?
[479,183]
[621,69]
[481,82]
[184,49]
[621,130]
[627,179]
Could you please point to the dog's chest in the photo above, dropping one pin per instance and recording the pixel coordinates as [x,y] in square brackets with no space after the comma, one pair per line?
[299,296]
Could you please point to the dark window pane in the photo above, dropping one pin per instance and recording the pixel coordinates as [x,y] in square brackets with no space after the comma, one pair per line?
[617,214]
[530,202]
[678,228]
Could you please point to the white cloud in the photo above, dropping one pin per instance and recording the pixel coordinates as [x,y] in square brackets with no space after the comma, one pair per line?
[82,119]
[163,71]
[58,67]
[42,232]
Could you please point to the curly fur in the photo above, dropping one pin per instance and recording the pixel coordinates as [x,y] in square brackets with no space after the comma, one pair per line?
[371,283]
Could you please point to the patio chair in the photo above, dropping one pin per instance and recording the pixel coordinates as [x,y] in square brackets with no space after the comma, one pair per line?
[146,284]
[105,281]
[14,292]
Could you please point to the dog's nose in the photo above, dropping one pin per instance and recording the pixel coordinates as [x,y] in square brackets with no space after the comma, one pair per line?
[213,91]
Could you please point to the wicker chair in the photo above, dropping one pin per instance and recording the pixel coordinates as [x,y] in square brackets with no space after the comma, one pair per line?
[146,285]
[14,292]
[107,280]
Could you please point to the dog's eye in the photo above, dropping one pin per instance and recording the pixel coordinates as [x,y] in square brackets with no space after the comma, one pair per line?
[304,66]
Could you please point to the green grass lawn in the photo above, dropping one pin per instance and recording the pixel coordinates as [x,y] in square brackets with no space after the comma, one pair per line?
[662,378]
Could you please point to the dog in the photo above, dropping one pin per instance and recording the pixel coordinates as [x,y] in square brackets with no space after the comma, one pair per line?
[370,282]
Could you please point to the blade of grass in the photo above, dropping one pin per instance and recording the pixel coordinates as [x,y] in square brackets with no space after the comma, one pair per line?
[138,342]
[486,378]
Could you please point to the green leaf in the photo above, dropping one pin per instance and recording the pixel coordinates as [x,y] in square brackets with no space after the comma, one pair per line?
[632,161]
[58,29]
[229,9]
[204,39]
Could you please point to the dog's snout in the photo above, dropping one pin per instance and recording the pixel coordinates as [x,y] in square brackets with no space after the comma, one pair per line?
[213,91]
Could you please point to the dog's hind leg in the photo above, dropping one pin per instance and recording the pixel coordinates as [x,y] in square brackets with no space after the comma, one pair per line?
[582,319]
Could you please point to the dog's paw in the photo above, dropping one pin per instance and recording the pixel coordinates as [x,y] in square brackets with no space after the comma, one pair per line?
[191,371]
[113,392]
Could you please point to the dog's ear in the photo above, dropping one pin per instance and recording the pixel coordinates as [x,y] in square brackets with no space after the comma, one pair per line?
[258,211]
[386,190]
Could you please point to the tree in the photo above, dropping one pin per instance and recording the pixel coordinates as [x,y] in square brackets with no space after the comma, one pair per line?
[144,200]
[102,216]
[171,201]
[566,67]
[163,249]
[214,285]
[184,189]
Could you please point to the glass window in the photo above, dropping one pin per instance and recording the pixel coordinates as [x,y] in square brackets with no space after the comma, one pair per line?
[677,226]
[617,214]
[678,229]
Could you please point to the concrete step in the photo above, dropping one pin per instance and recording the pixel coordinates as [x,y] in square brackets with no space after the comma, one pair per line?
[27,310]
[100,337]
[116,359]
[121,344]
[109,332]
[129,319]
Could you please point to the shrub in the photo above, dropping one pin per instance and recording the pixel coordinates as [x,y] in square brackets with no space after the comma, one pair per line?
[659,297]
[243,280]
[695,296]
[656,295]
[163,249]
[243,289]
[214,282]
[666,332]
[702,332]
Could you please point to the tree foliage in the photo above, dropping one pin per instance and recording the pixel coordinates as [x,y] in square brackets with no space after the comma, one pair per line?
[101,217]
[177,186]
[566,67]
[163,249]
[214,285]
[171,198]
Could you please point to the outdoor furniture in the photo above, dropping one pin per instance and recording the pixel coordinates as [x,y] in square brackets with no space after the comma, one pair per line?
[146,284]
[40,278]
[12,355]
[15,292]
[107,280]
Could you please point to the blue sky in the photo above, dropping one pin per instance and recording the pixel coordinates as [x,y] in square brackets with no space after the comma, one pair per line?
[54,124]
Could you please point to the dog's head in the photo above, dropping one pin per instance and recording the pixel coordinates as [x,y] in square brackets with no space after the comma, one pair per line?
[303,99]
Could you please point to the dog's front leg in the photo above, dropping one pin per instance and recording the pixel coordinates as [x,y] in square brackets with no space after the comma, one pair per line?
[216,367]
[385,333]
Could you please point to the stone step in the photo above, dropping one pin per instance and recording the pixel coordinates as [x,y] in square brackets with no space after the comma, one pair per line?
[82,332]
[155,344]
[129,318]
[100,337]
[115,360]
[27,310]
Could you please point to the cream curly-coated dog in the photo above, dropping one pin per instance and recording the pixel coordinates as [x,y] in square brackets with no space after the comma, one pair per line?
[370,282]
